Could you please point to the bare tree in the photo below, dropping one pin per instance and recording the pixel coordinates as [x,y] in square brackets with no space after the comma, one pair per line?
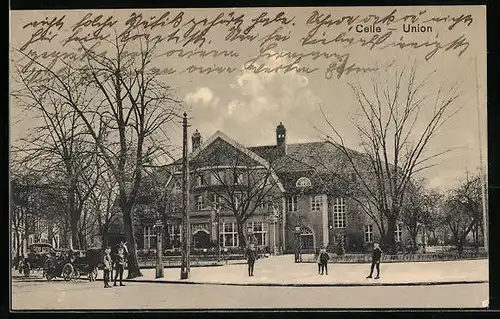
[59,145]
[231,179]
[126,110]
[398,118]
[462,209]
[103,200]
[420,210]
[36,206]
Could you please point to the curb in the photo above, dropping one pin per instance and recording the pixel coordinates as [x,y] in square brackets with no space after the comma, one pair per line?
[437,283]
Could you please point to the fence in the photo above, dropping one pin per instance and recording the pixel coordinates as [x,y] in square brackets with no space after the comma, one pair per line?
[195,260]
[366,258]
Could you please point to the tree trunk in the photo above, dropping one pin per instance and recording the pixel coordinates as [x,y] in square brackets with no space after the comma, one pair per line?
[476,236]
[133,265]
[389,240]
[241,234]
[74,217]
[460,247]
[19,247]
[81,240]
[414,243]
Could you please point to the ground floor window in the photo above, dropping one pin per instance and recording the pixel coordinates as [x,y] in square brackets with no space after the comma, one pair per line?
[306,238]
[307,241]
[398,233]
[174,235]
[259,231]
[339,239]
[368,233]
[149,237]
[228,234]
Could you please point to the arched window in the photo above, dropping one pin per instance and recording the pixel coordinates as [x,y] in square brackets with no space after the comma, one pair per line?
[303,182]
[307,238]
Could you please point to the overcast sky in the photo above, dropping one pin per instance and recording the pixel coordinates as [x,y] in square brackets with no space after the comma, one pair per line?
[248,106]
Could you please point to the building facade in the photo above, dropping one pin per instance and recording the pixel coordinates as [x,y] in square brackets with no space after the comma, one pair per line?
[278,196]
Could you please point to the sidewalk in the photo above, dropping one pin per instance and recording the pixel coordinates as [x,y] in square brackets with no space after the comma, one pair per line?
[282,271]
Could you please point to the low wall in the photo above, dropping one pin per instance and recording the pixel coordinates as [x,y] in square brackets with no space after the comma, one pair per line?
[366,258]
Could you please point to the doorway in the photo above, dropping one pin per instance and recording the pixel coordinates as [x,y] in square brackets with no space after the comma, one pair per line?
[201,239]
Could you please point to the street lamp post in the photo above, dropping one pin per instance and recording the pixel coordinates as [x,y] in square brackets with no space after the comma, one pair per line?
[273,218]
[185,202]
[297,243]
[159,264]
[217,231]
[330,228]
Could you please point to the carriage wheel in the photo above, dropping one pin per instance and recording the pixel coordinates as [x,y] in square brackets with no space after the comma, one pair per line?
[48,276]
[20,267]
[67,272]
[93,275]
[26,269]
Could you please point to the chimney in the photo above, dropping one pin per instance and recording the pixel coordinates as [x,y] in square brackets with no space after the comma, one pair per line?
[196,140]
[281,137]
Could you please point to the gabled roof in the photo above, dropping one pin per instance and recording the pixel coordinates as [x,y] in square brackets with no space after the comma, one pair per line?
[287,163]
[238,146]
[322,156]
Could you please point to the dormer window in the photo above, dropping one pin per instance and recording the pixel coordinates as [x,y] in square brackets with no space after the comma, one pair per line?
[215,178]
[200,181]
[303,182]
[238,179]
[176,188]
[200,203]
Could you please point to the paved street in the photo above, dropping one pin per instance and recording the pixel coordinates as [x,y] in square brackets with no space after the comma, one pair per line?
[86,295]
[283,270]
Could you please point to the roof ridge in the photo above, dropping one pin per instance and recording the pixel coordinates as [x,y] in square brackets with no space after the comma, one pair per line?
[288,144]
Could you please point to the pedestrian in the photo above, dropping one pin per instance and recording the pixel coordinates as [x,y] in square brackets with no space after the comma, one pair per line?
[376,256]
[107,267]
[251,256]
[119,264]
[322,261]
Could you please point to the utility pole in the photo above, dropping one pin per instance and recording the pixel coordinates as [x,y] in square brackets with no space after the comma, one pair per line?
[481,165]
[185,202]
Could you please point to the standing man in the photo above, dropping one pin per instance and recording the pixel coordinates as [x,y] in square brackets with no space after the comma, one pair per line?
[107,267]
[251,256]
[119,264]
[376,255]
[323,258]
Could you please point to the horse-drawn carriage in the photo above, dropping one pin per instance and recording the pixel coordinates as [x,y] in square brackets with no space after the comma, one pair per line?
[56,263]
[37,256]
[73,265]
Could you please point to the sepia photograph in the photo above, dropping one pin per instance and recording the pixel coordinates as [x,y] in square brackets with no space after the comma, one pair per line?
[248,158]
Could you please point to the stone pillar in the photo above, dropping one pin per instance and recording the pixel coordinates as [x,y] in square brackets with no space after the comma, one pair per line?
[213,233]
[283,224]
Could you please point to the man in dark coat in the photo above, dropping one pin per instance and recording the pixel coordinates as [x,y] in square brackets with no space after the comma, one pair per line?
[323,258]
[376,256]
[119,264]
[251,256]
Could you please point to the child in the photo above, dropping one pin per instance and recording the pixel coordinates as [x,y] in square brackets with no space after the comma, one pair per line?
[376,255]
[107,267]
[323,258]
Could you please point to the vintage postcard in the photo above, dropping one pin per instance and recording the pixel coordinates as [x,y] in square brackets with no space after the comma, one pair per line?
[272,158]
